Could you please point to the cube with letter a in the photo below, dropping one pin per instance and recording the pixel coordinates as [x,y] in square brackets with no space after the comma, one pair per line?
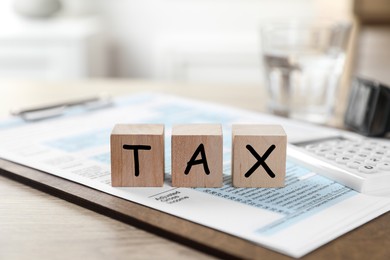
[137,155]
[197,155]
[258,156]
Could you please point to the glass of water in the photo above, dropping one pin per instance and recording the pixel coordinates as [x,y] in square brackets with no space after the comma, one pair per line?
[303,66]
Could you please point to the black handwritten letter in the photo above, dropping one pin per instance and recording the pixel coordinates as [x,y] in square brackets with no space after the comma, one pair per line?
[136,157]
[260,161]
[193,160]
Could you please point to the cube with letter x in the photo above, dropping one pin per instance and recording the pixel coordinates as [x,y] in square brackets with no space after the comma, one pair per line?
[197,155]
[258,156]
[137,155]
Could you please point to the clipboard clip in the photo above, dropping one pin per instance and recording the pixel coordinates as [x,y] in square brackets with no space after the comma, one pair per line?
[54,110]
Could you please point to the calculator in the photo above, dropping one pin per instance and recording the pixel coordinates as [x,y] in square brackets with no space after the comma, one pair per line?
[362,164]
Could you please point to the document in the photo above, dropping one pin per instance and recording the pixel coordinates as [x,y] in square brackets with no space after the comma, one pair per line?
[294,220]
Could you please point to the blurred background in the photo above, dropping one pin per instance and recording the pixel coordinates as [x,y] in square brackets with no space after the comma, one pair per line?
[192,41]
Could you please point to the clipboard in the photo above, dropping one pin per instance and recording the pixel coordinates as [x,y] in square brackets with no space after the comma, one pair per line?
[186,232]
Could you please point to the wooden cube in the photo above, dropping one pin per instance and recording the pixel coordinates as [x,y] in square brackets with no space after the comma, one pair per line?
[197,155]
[258,156]
[137,155]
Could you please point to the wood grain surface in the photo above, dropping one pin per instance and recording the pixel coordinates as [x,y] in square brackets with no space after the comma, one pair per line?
[262,149]
[193,143]
[36,225]
[133,167]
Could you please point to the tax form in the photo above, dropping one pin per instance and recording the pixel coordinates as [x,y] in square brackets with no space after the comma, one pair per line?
[307,213]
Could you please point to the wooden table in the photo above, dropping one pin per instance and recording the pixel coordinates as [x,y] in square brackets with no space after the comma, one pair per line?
[36,225]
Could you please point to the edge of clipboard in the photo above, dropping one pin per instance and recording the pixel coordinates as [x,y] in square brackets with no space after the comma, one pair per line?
[171,227]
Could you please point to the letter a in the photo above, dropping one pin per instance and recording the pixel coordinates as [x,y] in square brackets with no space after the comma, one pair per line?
[193,160]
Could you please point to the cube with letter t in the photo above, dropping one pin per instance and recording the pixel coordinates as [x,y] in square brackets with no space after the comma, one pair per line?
[197,155]
[137,155]
[258,156]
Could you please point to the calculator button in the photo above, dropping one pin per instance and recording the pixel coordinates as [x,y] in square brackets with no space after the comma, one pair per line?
[366,152]
[380,149]
[361,156]
[379,153]
[349,154]
[368,169]
[372,161]
[384,147]
[378,157]
[343,159]
[350,151]
[322,151]
[355,146]
[339,148]
[368,149]
[384,166]
[333,155]
[353,164]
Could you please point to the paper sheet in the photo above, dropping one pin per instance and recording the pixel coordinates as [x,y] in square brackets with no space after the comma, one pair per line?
[308,212]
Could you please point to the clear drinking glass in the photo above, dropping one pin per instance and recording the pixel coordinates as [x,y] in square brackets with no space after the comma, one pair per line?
[303,65]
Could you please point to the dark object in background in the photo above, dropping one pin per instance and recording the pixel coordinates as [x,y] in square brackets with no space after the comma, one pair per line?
[372,11]
[368,111]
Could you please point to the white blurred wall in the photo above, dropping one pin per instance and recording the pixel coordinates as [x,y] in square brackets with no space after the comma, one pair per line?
[193,40]
[200,40]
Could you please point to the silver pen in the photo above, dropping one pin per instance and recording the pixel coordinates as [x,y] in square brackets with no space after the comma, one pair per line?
[44,112]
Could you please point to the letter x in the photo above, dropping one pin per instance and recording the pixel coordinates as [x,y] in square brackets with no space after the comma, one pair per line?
[260,161]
